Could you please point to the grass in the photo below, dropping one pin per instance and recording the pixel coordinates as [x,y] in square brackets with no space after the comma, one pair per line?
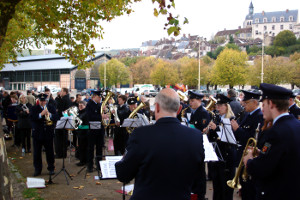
[32,194]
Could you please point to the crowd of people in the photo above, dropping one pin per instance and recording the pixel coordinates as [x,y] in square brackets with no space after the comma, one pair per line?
[167,159]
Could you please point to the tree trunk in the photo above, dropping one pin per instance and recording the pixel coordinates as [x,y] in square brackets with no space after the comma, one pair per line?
[5,180]
[7,10]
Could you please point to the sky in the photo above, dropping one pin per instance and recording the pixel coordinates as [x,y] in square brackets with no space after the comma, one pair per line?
[206,18]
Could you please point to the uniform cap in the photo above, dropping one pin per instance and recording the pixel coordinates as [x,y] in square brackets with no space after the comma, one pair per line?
[195,95]
[271,91]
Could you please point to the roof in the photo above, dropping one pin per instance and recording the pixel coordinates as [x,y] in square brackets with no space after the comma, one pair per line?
[46,62]
[232,32]
[269,15]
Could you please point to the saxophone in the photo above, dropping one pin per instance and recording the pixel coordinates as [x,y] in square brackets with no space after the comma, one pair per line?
[133,115]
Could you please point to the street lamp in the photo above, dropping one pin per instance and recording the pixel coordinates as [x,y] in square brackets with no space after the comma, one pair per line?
[200,38]
[105,49]
[262,59]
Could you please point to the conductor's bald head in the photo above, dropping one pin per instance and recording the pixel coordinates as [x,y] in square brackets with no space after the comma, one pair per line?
[167,103]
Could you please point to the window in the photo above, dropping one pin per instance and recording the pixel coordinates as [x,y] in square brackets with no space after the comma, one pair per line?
[46,75]
[256,32]
[265,27]
[291,18]
[273,34]
[250,22]
[54,75]
[19,76]
[256,20]
[256,25]
[273,19]
[291,26]
[28,76]
[265,20]
[281,27]
[37,75]
[281,19]
[273,27]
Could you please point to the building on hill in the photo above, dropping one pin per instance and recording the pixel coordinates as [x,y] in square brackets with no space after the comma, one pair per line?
[243,33]
[270,23]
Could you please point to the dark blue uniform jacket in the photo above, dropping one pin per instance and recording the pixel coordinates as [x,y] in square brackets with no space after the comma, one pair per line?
[164,159]
[295,110]
[247,129]
[276,169]
[200,118]
[39,128]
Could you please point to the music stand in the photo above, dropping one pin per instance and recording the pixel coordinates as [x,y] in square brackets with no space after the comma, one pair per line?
[70,133]
[64,123]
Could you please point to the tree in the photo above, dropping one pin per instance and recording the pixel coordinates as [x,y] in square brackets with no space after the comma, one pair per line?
[128,61]
[277,70]
[164,73]
[141,70]
[233,46]
[70,25]
[190,69]
[294,78]
[116,73]
[230,68]
[285,38]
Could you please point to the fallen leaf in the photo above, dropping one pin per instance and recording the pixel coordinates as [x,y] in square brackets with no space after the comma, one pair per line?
[90,194]
[21,157]
[75,187]
[98,183]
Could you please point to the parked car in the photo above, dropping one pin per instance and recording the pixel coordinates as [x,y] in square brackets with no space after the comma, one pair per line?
[87,91]
[146,93]
[153,93]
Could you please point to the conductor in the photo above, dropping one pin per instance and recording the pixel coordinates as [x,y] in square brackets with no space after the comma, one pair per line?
[163,158]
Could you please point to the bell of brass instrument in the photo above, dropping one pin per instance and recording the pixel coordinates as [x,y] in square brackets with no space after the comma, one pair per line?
[182,96]
[211,104]
[25,108]
[235,182]
[73,111]
[133,115]
[297,101]
[47,117]
[105,109]
[115,108]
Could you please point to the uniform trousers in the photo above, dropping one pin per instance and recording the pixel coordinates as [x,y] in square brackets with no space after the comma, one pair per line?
[37,154]
[95,139]
[82,145]
[220,175]
[61,142]
[248,189]
[120,140]
[25,134]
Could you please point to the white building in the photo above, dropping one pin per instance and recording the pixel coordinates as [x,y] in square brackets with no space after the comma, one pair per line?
[270,23]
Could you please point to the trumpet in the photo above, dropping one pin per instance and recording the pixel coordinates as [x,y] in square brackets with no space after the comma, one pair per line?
[235,182]
[134,115]
[47,117]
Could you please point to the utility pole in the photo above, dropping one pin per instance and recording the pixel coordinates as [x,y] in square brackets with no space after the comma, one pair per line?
[199,83]
[262,59]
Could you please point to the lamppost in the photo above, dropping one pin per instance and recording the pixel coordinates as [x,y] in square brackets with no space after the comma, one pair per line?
[105,49]
[262,59]
[200,39]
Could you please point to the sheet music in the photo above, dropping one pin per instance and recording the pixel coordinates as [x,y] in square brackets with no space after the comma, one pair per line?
[95,125]
[108,169]
[188,115]
[226,133]
[144,119]
[65,123]
[35,182]
[136,122]
[210,154]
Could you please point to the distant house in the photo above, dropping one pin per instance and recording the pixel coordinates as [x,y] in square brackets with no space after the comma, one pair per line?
[148,45]
[244,33]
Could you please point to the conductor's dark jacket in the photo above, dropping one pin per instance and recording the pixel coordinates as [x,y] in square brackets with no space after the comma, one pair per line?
[164,159]
[276,169]
[40,130]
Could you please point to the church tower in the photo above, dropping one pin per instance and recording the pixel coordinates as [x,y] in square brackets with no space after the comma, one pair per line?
[249,18]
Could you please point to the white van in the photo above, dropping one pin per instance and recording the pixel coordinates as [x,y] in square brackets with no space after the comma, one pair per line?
[140,88]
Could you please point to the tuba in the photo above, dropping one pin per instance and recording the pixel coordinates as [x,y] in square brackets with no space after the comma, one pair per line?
[211,104]
[133,115]
[105,108]
[115,108]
